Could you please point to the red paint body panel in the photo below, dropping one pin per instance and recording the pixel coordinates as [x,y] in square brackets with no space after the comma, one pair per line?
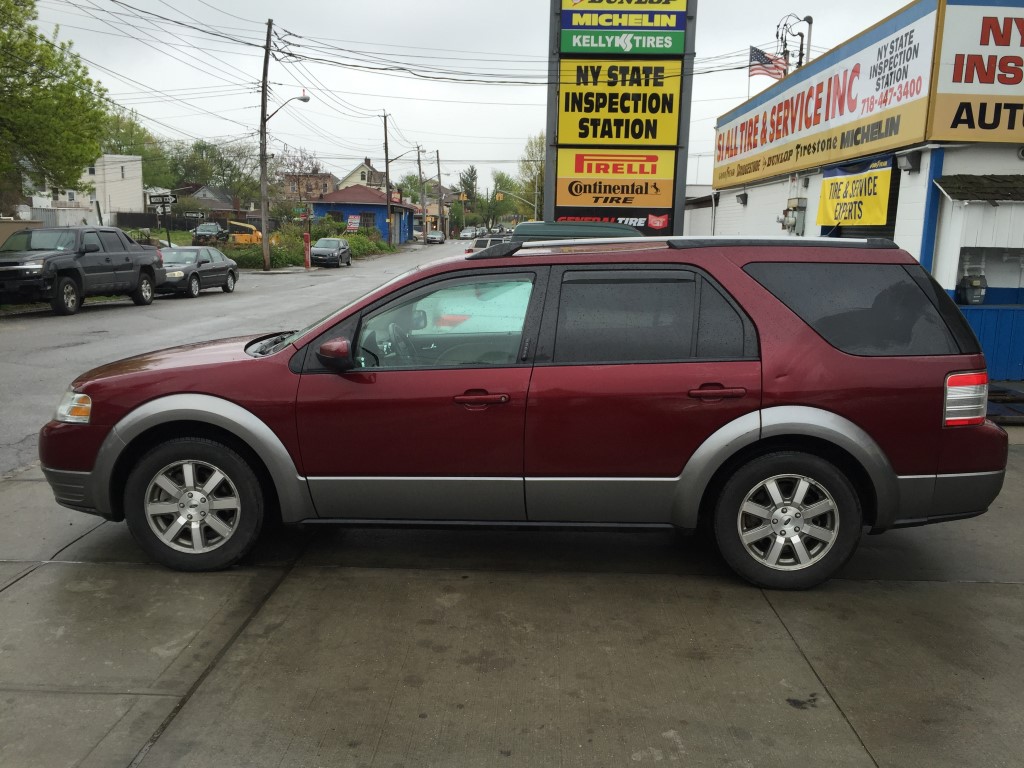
[394,423]
[628,420]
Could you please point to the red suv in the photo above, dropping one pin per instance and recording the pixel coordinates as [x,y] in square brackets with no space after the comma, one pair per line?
[787,394]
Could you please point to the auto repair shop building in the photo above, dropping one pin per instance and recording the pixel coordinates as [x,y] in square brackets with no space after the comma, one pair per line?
[912,130]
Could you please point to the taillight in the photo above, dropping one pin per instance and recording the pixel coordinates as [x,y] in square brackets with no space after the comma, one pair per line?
[966,398]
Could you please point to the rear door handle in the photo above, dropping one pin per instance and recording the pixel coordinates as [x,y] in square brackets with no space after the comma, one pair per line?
[481,399]
[716,392]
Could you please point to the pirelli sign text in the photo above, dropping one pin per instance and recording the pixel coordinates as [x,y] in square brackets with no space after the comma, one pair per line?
[615,178]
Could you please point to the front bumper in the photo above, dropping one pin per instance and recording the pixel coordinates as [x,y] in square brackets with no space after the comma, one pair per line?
[172,285]
[74,491]
[24,289]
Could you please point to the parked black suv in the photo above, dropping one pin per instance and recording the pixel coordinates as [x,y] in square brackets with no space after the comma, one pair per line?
[64,265]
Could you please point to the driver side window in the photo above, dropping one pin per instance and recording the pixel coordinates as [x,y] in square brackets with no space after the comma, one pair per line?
[466,322]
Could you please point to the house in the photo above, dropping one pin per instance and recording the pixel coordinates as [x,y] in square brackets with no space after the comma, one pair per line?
[220,203]
[303,187]
[365,175]
[116,182]
[371,207]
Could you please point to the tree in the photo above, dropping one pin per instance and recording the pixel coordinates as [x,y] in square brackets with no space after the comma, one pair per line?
[468,183]
[302,168]
[410,186]
[233,167]
[531,170]
[125,135]
[51,112]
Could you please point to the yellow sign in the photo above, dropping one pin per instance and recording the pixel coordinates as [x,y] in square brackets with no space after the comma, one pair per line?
[621,102]
[615,177]
[855,199]
[980,77]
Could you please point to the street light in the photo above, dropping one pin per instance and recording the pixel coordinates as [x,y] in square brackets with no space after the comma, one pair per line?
[264,203]
[517,197]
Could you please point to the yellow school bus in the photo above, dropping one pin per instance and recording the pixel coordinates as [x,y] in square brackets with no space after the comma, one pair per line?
[243,234]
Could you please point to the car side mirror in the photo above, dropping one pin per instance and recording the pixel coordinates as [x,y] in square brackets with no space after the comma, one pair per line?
[418,321]
[90,248]
[336,354]
[204,260]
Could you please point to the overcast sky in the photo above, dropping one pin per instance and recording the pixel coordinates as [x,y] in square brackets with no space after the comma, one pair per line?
[186,83]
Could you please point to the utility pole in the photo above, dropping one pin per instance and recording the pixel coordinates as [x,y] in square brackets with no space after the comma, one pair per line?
[423,194]
[264,192]
[387,181]
[440,220]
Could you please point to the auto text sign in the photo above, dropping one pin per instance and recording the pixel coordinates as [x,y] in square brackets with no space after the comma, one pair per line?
[649,221]
[614,178]
[980,77]
[353,223]
[870,95]
[632,102]
[855,196]
[608,28]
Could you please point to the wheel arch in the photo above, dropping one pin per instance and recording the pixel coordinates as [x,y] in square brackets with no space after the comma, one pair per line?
[800,428]
[201,416]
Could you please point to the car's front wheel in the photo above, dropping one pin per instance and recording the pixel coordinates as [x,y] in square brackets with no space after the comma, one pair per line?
[143,294]
[229,284]
[67,296]
[787,520]
[194,504]
[193,287]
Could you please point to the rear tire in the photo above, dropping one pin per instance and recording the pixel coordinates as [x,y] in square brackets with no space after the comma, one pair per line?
[67,296]
[143,294]
[787,520]
[194,504]
[229,285]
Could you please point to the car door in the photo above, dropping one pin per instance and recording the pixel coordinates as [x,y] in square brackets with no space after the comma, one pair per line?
[117,262]
[125,261]
[636,368]
[217,270]
[97,265]
[430,425]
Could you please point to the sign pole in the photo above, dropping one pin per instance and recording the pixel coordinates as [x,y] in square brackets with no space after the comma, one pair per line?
[683,150]
[167,223]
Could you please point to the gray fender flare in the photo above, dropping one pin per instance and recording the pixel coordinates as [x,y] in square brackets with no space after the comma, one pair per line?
[777,422]
[292,490]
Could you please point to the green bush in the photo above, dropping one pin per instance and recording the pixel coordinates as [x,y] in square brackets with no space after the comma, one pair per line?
[290,251]
[251,256]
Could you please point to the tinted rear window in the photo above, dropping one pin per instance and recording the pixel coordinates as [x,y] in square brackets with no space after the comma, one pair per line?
[874,310]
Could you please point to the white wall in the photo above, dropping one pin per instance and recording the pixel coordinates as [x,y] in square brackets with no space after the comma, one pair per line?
[910,208]
[118,182]
[982,159]
[697,222]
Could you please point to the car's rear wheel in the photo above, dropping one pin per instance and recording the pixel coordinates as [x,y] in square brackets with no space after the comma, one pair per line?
[787,520]
[67,296]
[194,504]
[229,284]
[143,294]
[193,287]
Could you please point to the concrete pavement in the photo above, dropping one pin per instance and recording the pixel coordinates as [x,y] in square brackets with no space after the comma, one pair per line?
[382,647]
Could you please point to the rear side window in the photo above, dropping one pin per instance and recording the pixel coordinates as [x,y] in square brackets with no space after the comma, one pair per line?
[875,310]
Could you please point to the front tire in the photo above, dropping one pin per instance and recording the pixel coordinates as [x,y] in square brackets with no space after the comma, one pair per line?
[67,296]
[193,287]
[787,520]
[194,504]
[143,294]
[229,285]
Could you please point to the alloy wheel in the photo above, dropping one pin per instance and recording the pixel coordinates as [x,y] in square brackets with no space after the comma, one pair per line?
[192,506]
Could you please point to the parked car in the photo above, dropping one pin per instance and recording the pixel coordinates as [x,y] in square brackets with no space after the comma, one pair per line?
[191,269]
[468,233]
[331,252]
[65,265]
[209,233]
[787,395]
[435,236]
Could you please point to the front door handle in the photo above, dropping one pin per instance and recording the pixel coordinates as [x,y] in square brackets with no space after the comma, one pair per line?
[716,392]
[481,398]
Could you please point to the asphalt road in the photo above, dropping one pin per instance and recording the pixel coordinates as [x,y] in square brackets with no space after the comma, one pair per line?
[451,647]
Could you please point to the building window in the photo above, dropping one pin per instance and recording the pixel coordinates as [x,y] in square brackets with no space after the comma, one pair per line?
[362,175]
[71,196]
[122,171]
[295,187]
[55,193]
[325,186]
[309,186]
[92,197]
[92,170]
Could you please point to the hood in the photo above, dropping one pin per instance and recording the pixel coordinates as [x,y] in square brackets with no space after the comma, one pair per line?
[166,362]
[14,258]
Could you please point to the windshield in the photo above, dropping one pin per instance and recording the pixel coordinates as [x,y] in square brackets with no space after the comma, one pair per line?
[40,240]
[179,257]
[208,229]
[327,242]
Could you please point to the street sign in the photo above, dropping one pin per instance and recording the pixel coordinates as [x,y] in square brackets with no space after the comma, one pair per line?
[193,214]
[163,199]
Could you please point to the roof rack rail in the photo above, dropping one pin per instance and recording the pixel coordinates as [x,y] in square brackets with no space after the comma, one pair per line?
[682,243]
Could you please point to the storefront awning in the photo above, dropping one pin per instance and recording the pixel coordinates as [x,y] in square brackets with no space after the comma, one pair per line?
[987,189]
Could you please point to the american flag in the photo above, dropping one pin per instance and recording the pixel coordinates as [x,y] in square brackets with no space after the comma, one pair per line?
[762,63]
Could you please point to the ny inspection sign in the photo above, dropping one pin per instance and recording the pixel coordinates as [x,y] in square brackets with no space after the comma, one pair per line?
[620,112]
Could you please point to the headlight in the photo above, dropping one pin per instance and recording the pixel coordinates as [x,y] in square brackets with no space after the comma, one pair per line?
[74,408]
[37,264]
[176,273]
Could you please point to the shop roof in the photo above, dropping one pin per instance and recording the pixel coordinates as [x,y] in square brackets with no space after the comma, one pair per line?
[993,189]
